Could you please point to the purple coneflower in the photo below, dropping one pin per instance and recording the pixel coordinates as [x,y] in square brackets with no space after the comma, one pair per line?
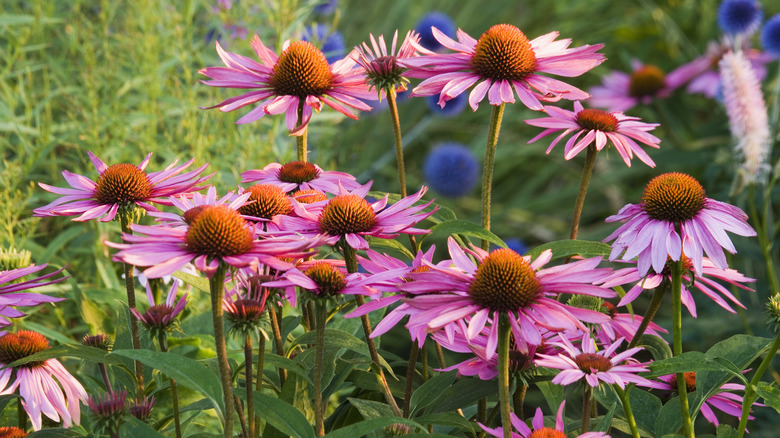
[12,295]
[381,66]
[161,317]
[503,282]
[703,280]
[622,91]
[299,80]
[676,217]
[539,430]
[45,387]
[119,187]
[351,217]
[622,325]
[109,412]
[725,401]
[501,63]
[587,126]
[215,234]
[300,175]
[595,367]
[245,304]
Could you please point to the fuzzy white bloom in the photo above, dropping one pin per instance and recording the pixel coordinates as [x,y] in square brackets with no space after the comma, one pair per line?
[747,116]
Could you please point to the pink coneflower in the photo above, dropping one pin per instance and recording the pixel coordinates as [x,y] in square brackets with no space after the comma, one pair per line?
[190,206]
[109,411]
[725,401]
[215,234]
[703,72]
[11,295]
[382,68]
[622,325]
[45,387]
[119,187]
[748,117]
[503,282]
[351,217]
[141,408]
[592,125]
[703,280]
[299,80]
[501,63]
[595,367]
[300,175]
[676,217]
[161,317]
[245,303]
[622,91]
[521,430]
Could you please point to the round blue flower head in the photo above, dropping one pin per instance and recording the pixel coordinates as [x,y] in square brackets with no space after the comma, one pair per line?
[326,7]
[438,20]
[331,43]
[453,107]
[770,36]
[451,170]
[739,16]
[516,245]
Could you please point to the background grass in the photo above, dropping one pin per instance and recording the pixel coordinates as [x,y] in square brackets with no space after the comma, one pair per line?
[119,78]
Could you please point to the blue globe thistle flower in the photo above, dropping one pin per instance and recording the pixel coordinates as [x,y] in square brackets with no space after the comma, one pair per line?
[516,245]
[451,170]
[325,7]
[739,16]
[438,20]
[453,107]
[770,36]
[330,42]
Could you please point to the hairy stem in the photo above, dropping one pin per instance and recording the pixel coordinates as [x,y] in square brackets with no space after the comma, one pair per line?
[587,171]
[277,334]
[587,402]
[504,331]
[682,388]
[623,395]
[217,286]
[249,380]
[319,411]
[410,371]
[655,304]
[301,140]
[487,167]
[134,333]
[259,373]
[163,338]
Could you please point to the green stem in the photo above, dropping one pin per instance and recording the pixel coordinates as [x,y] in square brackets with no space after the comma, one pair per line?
[399,148]
[319,411]
[750,390]
[487,167]
[240,413]
[301,140]
[174,390]
[655,304]
[259,373]
[249,378]
[410,372]
[350,259]
[518,399]
[587,402]
[682,387]
[504,331]
[217,286]
[104,374]
[587,171]
[764,233]
[277,334]
[623,395]
[134,333]
[21,414]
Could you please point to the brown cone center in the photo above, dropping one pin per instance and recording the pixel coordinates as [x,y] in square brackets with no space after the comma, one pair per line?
[503,52]
[673,197]
[330,279]
[14,346]
[589,362]
[301,70]
[598,120]
[646,81]
[266,201]
[345,214]
[122,184]
[218,231]
[504,282]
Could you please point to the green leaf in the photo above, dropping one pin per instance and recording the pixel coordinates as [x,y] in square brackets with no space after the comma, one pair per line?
[606,421]
[443,214]
[287,364]
[135,428]
[726,431]
[284,417]
[193,280]
[463,393]
[187,372]
[19,20]
[431,390]
[770,394]
[70,350]
[371,409]
[655,346]
[4,400]
[59,433]
[686,362]
[465,228]
[382,245]
[365,427]
[568,248]
[335,338]
[447,419]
